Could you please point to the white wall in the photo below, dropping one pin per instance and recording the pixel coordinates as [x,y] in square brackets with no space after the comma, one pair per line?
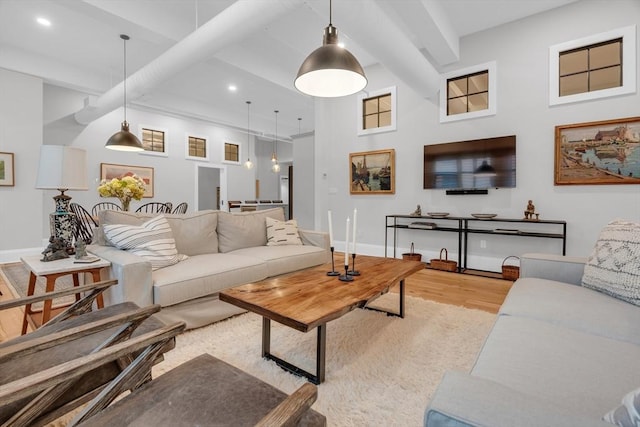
[521,52]
[303,181]
[21,206]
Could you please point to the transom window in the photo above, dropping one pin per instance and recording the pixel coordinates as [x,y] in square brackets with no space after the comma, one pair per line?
[376,111]
[594,67]
[468,93]
[231,152]
[153,140]
[197,147]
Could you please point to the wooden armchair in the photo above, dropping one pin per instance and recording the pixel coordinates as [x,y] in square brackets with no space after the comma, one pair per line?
[76,332]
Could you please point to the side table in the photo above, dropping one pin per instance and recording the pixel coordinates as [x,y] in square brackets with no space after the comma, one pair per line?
[51,270]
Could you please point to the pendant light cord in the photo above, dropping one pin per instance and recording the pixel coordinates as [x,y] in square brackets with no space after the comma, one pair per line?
[330,23]
[124,38]
[248,127]
[276,138]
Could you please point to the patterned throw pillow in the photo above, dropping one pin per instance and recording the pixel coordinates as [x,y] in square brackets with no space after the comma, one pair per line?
[282,232]
[153,240]
[627,414]
[614,265]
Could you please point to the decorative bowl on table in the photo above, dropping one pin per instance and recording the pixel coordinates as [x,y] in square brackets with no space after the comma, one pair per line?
[483,215]
[438,214]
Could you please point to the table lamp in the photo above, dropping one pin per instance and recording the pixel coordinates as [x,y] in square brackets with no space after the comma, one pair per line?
[62,168]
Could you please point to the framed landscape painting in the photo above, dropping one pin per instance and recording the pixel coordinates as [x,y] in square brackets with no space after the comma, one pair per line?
[110,171]
[373,172]
[7,176]
[603,152]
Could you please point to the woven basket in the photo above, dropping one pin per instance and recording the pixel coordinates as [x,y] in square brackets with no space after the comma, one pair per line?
[411,256]
[510,272]
[444,264]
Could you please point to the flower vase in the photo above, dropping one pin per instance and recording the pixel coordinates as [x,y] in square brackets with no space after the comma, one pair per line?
[125,204]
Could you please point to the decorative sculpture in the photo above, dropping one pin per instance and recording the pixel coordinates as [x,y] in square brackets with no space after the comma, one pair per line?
[81,248]
[57,249]
[530,211]
[417,212]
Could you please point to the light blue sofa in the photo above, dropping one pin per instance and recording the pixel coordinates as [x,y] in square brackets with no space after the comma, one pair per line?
[559,354]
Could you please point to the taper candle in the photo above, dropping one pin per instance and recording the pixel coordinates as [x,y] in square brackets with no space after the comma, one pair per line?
[346,244]
[330,230]
[355,219]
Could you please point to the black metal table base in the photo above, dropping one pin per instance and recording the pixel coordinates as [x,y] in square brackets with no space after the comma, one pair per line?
[321,345]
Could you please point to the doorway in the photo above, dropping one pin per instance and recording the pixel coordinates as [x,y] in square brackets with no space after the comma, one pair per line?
[211,187]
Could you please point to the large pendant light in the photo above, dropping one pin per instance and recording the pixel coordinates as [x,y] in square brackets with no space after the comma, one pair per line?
[248,164]
[330,71]
[124,140]
[276,166]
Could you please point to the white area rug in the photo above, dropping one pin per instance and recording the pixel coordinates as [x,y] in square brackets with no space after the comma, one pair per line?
[381,371]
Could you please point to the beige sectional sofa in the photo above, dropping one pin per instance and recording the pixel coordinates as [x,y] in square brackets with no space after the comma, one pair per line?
[223,250]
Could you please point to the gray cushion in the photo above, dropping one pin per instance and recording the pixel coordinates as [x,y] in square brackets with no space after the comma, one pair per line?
[286,258]
[614,264]
[575,307]
[194,233]
[245,229]
[587,373]
[202,275]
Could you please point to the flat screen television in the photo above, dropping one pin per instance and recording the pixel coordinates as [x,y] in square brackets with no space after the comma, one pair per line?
[476,164]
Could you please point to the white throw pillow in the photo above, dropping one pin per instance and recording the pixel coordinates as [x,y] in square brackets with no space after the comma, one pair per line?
[614,265]
[153,240]
[627,414]
[282,232]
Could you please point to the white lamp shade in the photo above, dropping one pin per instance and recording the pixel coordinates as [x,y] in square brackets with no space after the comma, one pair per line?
[62,167]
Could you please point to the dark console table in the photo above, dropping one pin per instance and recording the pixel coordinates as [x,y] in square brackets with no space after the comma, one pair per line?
[464,226]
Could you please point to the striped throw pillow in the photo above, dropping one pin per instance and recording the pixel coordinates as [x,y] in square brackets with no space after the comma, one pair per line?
[282,232]
[153,240]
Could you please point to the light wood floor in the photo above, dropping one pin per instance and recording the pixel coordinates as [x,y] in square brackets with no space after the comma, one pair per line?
[449,288]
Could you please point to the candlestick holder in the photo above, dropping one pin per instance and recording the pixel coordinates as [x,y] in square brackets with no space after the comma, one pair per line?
[346,277]
[353,272]
[333,271]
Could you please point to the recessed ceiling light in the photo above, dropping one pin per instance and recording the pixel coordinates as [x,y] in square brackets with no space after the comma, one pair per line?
[43,21]
[233,88]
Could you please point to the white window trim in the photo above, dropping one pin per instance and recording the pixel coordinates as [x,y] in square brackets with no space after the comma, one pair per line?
[240,152]
[362,96]
[186,147]
[629,76]
[492,93]
[166,141]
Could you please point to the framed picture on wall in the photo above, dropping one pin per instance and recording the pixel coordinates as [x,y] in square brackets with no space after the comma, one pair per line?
[602,152]
[109,171]
[7,175]
[372,172]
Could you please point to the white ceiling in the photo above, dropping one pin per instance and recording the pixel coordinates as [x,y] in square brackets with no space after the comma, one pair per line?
[258,48]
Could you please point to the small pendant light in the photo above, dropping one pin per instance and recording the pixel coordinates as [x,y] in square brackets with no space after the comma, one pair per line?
[330,71]
[248,164]
[124,140]
[276,166]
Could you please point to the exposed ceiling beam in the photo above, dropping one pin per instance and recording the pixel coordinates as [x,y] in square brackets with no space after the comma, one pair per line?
[230,26]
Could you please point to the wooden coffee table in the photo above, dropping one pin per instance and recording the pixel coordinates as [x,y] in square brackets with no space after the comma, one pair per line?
[309,299]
